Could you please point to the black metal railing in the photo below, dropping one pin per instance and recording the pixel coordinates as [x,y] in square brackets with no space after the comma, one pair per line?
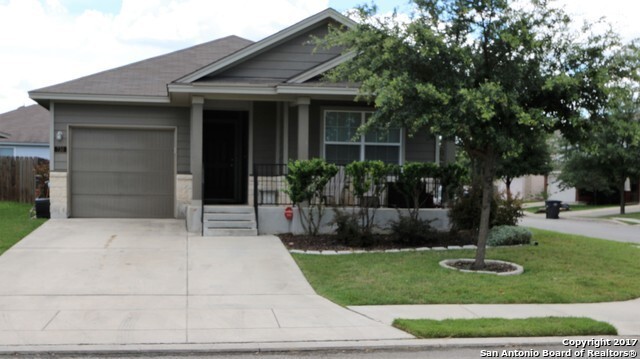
[269,184]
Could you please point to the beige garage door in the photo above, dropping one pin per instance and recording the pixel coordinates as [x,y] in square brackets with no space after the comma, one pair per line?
[122,173]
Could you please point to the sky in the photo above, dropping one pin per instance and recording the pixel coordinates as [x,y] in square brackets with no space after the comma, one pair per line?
[45,42]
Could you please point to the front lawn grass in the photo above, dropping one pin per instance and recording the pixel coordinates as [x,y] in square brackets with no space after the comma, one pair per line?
[561,269]
[15,223]
[498,327]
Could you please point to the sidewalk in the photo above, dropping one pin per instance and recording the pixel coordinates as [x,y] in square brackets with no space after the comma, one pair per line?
[625,316]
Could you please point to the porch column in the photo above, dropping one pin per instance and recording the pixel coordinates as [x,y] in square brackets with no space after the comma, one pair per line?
[197,105]
[194,211]
[303,127]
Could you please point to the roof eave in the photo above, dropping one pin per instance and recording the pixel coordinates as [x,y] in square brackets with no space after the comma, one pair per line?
[52,96]
[322,68]
[26,144]
[235,89]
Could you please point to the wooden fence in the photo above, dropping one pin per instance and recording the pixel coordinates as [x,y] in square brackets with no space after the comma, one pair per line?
[18,178]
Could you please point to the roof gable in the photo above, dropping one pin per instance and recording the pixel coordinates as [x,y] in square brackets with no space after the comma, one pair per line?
[253,61]
[29,124]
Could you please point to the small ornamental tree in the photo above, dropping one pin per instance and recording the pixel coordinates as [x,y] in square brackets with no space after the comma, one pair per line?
[489,73]
[306,181]
[411,183]
[368,181]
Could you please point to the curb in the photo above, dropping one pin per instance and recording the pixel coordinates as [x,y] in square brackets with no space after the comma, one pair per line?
[274,347]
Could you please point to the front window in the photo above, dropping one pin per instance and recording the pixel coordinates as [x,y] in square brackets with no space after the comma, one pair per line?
[342,145]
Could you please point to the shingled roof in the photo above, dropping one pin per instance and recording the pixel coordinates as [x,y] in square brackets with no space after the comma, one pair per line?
[25,125]
[150,77]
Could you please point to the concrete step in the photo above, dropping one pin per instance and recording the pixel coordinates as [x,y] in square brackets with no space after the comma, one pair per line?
[229,221]
[228,209]
[229,232]
[230,224]
[229,216]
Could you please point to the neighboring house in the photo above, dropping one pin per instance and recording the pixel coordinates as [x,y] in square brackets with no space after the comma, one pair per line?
[25,132]
[163,136]
[533,186]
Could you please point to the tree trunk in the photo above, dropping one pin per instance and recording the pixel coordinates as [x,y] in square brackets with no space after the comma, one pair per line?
[488,170]
[621,190]
[507,182]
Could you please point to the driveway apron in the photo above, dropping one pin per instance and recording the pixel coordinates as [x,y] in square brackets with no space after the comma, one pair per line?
[104,281]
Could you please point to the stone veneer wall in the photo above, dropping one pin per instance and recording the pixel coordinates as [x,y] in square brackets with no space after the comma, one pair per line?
[58,189]
[184,190]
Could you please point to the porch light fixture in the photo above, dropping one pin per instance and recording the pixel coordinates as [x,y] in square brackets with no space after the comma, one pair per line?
[59,135]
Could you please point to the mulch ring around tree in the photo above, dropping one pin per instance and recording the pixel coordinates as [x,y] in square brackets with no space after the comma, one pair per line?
[330,242]
[492,266]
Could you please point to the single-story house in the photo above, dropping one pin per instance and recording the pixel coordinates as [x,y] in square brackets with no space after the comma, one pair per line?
[24,132]
[180,134]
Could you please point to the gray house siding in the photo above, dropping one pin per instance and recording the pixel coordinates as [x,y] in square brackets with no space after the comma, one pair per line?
[282,62]
[421,147]
[264,130]
[115,115]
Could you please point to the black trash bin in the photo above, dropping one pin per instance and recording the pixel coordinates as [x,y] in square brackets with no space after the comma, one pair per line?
[552,209]
[42,208]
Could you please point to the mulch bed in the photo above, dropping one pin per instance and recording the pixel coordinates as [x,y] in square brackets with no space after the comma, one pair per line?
[378,242]
[489,266]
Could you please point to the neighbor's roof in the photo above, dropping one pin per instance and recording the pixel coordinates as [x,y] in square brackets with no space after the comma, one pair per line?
[149,77]
[25,125]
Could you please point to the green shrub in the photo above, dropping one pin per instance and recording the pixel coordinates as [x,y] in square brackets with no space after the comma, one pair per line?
[508,211]
[411,231]
[410,183]
[465,213]
[306,180]
[348,231]
[368,181]
[452,176]
[508,236]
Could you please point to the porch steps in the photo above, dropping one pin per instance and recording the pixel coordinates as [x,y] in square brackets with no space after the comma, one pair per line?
[229,221]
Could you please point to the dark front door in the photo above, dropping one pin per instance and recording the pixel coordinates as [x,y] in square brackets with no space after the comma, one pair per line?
[225,157]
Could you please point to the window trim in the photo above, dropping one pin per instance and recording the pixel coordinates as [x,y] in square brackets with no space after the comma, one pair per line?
[362,143]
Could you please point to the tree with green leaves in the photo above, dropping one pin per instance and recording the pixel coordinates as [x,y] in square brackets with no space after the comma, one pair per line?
[486,72]
[609,153]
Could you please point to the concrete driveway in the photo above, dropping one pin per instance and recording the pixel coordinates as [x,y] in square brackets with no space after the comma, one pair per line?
[92,281]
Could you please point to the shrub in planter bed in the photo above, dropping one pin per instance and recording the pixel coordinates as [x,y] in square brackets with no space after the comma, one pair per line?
[508,236]
[412,231]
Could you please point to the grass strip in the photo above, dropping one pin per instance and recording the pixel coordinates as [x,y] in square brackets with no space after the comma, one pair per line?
[574,207]
[635,215]
[15,223]
[498,327]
